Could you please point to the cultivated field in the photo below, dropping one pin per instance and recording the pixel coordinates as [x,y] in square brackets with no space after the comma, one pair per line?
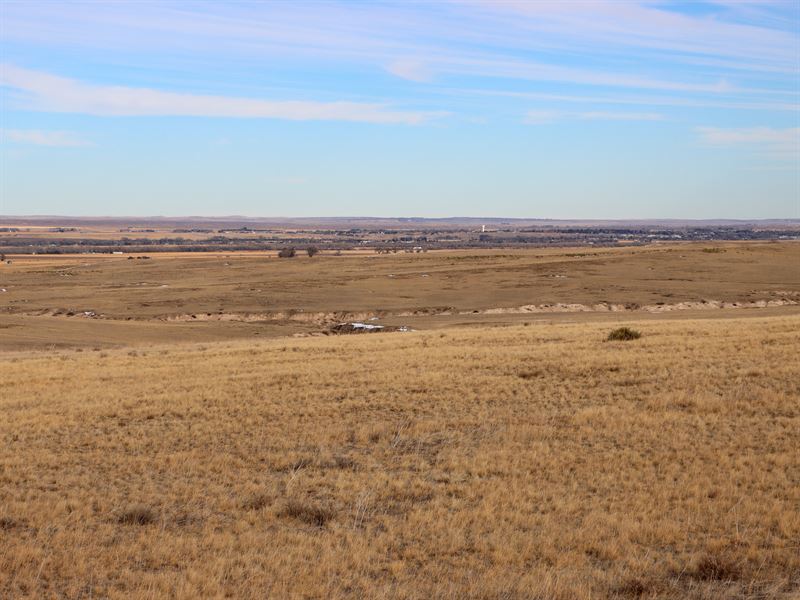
[514,462]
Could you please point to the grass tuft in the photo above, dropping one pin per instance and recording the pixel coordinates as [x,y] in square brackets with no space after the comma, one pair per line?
[255,502]
[137,515]
[309,513]
[711,567]
[345,462]
[633,587]
[623,334]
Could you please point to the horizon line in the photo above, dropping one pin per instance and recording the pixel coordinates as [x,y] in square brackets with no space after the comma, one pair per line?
[389,218]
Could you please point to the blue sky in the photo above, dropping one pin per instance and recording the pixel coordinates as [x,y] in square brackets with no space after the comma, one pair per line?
[571,109]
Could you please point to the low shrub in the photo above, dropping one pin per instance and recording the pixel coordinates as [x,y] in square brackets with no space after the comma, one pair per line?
[623,334]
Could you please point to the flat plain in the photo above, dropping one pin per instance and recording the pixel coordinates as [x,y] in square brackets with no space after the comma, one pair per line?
[504,449]
[107,300]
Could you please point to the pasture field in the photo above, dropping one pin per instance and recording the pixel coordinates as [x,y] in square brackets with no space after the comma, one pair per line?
[185,426]
[536,461]
[111,300]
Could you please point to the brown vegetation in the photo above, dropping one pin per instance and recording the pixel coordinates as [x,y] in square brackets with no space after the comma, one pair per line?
[109,300]
[517,462]
[623,334]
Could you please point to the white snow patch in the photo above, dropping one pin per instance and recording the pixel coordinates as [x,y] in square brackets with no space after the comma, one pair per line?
[365,326]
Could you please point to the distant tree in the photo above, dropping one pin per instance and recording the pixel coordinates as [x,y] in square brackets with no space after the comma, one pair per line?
[312,250]
[287,253]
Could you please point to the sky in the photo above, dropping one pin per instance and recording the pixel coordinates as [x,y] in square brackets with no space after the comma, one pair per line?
[623,109]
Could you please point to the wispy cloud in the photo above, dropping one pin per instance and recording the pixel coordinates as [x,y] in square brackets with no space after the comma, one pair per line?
[783,144]
[710,51]
[489,67]
[411,69]
[39,137]
[543,117]
[39,91]
[620,116]
[630,100]
[647,24]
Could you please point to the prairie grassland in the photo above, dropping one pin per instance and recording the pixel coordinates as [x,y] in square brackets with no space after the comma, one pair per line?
[517,462]
[196,297]
[186,283]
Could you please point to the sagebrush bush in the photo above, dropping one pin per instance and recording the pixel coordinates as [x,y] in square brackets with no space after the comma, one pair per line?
[623,334]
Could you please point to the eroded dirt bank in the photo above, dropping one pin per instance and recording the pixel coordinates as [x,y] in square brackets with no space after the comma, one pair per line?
[783,298]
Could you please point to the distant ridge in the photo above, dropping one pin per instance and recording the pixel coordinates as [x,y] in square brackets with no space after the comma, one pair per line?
[236,221]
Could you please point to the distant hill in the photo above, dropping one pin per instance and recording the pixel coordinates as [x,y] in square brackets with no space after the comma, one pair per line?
[379,222]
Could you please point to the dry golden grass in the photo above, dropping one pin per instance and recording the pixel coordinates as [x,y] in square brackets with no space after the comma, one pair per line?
[134,300]
[520,462]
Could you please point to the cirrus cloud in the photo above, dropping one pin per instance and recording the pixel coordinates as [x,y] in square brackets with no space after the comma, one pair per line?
[39,137]
[783,144]
[543,117]
[40,91]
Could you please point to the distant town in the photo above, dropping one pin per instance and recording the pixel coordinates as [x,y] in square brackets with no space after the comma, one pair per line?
[38,235]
